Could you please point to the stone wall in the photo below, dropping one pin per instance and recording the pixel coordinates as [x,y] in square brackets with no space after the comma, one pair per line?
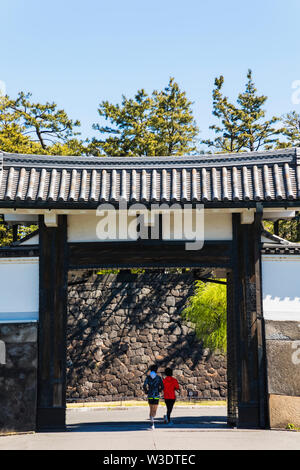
[18,377]
[119,324]
[283,364]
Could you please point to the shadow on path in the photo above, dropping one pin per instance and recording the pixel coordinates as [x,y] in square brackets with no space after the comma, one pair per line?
[180,423]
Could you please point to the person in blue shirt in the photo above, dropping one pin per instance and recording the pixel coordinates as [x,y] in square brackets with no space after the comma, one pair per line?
[153,385]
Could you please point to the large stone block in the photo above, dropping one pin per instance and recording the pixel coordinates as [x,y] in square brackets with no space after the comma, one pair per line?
[18,333]
[283,367]
[282,330]
[284,410]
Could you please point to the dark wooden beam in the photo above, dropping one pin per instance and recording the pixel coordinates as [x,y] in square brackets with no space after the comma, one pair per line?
[52,326]
[19,251]
[260,325]
[232,341]
[15,232]
[250,344]
[145,254]
[214,281]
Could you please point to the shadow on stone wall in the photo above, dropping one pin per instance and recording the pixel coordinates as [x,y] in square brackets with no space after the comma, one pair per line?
[118,325]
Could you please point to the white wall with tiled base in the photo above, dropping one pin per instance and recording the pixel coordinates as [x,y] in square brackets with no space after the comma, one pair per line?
[281,309]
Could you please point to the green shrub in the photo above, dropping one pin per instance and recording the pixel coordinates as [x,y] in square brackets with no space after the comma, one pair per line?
[292,427]
[207,311]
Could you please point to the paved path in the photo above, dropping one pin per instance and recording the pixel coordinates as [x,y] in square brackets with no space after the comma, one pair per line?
[129,429]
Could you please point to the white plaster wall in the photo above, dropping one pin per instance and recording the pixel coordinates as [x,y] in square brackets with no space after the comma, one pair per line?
[21,218]
[31,241]
[19,289]
[218,226]
[82,228]
[281,287]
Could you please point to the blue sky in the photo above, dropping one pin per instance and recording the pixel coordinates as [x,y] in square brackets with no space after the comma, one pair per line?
[78,53]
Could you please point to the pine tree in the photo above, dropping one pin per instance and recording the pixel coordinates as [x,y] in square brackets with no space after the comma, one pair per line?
[228,132]
[291,130]
[34,128]
[172,121]
[12,138]
[160,124]
[129,132]
[43,123]
[243,126]
[255,132]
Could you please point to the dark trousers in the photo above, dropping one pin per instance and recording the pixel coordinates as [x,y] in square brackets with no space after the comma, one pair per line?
[169,405]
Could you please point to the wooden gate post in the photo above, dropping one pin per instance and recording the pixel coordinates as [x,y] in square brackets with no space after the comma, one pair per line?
[51,395]
[250,340]
[232,393]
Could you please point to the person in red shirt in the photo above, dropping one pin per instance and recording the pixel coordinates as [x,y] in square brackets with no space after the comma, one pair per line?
[170,385]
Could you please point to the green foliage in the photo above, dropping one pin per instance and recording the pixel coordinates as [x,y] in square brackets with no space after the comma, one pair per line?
[24,230]
[6,232]
[117,271]
[207,311]
[12,137]
[160,124]
[45,123]
[130,134]
[288,229]
[6,235]
[72,147]
[291,130]
[172,121]
[256,132]
[227,133]
[35,128]
[292,427]
[243,126]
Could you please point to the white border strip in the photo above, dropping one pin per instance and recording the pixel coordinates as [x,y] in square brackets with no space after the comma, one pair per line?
[15,260]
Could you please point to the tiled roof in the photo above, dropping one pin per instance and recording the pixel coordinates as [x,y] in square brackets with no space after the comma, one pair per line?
[215,180]
[278,249]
